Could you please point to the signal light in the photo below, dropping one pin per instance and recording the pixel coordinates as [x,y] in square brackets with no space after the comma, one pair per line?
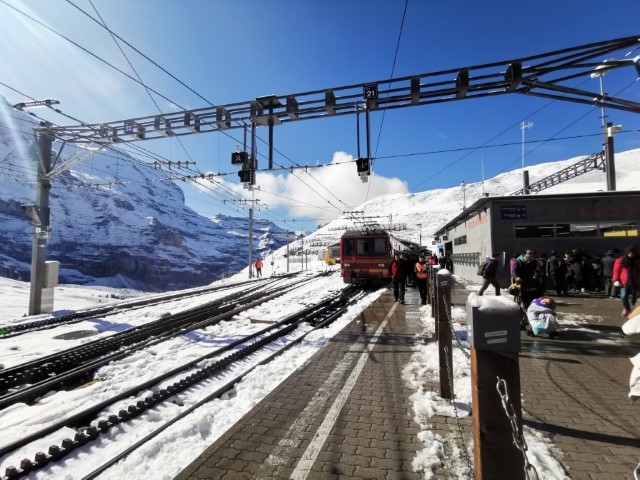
[239,158]
[363,165]
[245,176]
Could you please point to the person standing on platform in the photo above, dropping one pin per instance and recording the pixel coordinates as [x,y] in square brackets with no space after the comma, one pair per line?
[399,277]
[421,278]
[512,267]
[489,274]
[626,275]
[557,271]
[607,272]
[525,269]
[258,268]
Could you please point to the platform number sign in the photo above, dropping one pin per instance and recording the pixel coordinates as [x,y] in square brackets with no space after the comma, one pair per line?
[370,92]
[128,127]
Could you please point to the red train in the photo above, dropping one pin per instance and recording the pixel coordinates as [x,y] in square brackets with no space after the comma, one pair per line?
[365,256]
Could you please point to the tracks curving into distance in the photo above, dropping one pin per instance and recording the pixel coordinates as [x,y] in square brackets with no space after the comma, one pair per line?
[90,423]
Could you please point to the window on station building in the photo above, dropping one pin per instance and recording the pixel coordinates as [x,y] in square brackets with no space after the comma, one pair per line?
[534,231]
[578,229]
[619,229]
[565,230]
[460,240]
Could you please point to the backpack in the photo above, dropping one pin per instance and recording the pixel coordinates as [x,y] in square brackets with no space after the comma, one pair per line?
[482,268]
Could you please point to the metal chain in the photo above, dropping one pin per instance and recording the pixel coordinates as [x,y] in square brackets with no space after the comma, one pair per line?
[518,438]
[447,309]
[461,445]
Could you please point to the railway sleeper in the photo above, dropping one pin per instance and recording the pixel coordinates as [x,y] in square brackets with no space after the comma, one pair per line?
[86,434]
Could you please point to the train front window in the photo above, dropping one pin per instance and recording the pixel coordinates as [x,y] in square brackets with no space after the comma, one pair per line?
[371,246]
[347,245]
[363,246]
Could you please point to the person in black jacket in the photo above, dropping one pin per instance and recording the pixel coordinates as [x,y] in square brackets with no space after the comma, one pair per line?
[607,272]
[557,271]
[489,274]
[525,269]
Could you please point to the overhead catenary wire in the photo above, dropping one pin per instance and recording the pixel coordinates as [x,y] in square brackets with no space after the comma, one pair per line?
[210,103]
[393,69]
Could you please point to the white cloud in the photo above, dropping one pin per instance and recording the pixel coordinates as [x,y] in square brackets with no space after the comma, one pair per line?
[306,194]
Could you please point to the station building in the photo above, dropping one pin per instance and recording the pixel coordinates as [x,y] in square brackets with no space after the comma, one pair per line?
[591,222]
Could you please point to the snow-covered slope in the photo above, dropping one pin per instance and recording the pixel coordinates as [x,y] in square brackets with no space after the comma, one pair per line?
[422,214]
[137,233]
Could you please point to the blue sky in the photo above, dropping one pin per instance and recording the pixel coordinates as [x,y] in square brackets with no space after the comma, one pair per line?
[234,51]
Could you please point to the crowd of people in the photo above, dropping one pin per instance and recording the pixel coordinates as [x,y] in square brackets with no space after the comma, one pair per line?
[615,274]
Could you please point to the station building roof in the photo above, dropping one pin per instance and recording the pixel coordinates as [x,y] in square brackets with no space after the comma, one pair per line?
[485,202]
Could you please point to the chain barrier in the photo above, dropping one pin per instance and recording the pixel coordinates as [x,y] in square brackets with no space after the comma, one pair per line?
[461,445]
[518,438]
[447,309]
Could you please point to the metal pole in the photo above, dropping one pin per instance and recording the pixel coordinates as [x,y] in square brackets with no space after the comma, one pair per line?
[288,241]
[271,139]
[523,127]
[358,128]
[368,134]
[604,121]
[610,164]
[40,234]
[253,166]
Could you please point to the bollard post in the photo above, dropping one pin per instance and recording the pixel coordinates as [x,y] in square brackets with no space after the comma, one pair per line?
[443,329]
[495,342]
[433,272]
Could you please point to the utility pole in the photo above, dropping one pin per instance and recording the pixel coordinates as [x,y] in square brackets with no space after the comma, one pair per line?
[523,127]
[463,184]
[41,232]
[288,241]
[609,160]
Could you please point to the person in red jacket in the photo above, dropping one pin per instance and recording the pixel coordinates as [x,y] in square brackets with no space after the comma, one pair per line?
[399,276]
[421,278]
[626,274]
[258,268]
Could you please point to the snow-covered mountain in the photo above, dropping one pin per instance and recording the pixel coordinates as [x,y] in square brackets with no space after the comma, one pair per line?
[140,234]
[136,233]
[417,216]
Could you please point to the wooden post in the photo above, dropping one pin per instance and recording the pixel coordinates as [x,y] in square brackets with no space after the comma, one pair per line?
[443,329]
[495,343]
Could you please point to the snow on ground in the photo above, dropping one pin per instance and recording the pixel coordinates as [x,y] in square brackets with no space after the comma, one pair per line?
[176,447]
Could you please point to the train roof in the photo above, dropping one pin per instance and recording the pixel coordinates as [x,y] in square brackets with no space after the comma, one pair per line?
[363,233]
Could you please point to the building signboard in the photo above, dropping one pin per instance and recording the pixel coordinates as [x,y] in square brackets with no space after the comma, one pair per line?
[513,213]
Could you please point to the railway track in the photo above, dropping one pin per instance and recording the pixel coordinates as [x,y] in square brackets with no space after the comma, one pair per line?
[92,422]
[9,330]
[67,368]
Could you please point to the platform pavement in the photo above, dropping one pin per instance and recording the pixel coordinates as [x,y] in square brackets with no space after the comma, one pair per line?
[574,392]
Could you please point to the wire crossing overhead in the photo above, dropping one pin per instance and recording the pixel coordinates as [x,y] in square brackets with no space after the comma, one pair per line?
[543,75]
